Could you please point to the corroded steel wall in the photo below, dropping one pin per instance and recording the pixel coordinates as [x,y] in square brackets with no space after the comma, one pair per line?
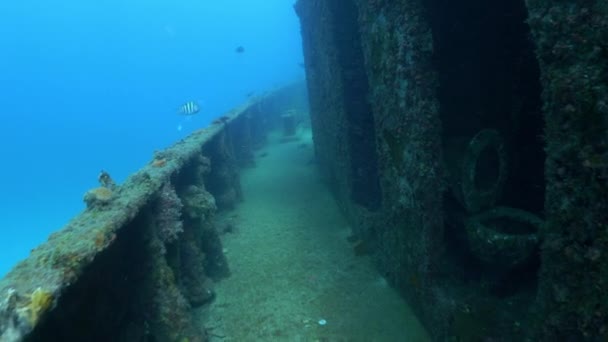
[571,40]
[485,239]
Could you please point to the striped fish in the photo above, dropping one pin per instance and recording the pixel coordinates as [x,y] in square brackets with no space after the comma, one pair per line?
[189,108]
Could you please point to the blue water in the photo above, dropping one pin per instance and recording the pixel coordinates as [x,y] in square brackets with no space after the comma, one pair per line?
[91,85]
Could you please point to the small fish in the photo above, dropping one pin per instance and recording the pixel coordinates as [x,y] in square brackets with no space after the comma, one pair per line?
[239,49]
[189,108]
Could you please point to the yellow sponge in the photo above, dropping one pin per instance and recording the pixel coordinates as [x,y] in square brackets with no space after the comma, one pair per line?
[40,302]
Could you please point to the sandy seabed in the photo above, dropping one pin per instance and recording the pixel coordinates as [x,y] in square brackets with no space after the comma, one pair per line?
[292,267]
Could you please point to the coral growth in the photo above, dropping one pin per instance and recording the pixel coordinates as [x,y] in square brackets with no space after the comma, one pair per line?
[169,214]
[103,195]
[198,203]
[11,327]
[18,315]
[203,167]
[97,197]
[168,311]
[196,287]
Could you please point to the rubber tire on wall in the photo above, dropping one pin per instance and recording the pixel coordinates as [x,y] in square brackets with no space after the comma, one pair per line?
[476,199]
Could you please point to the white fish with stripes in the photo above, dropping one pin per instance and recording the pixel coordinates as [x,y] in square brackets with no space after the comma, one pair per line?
[188,110]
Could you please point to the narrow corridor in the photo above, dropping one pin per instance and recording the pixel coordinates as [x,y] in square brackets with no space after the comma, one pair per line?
[295,277]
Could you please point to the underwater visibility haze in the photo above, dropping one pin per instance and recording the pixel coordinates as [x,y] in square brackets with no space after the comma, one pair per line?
[86,86]
[324,170]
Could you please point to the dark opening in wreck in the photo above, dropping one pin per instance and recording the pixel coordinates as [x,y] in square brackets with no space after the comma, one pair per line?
[490,108]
